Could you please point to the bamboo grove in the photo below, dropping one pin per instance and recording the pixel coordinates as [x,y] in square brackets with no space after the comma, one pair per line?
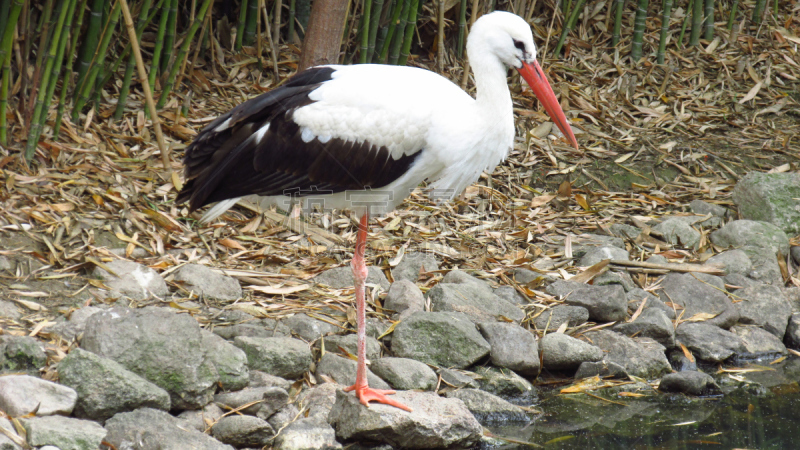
[79,48]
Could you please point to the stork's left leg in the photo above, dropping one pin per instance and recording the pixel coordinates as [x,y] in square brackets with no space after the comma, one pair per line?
[364,393]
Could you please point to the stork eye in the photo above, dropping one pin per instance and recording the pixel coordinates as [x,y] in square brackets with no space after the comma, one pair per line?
[519,44]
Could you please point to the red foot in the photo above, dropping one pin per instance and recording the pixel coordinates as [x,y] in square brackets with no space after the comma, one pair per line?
[366,394]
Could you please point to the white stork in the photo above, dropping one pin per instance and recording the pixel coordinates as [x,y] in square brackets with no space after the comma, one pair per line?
[362,137]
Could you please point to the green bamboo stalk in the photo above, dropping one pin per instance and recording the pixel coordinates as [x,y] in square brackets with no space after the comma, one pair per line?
[462,29]
[662,42]
[169,38]
[5,56]
[240,25]
[618,6]
[638,30]
[276,27]
[365,22]
[685,20]
[375,24]
[90,39]
[758,11]
[46,22]
[397,39]
[62,97]
[411,23]
[697,23]
[709,20]
[250,25]
[184,50]
[122,98]
[292,15]
[775,8]
[86,89]
[5,5]
[568,25]
[159,47]
[732,17]
[55,57]
[394,23]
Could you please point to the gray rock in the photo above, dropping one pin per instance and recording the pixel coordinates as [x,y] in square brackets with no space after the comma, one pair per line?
[625,231]
[151,428]
[284,416]
[594,256]
[637,296]
[604,303]
[759,343]
[792,295]
[765,306]
[230,361]
[705,208]
[279,356]
[23,394]
[526,276]
[653,323]
[677,232]
[732,261]
[73,328]
[460,277]
[657,259]
[442,339]
[132,280]
[708,342]
[349,342]
[308,328]
[261,379]
[243,431]
[513,347]
[459,378]
[10,440]
[487,407]
[21,354]
[412,264]
[688,382]
[237,399]
[794,252]
[318,400]
[106,388]
[793,331]
[614,277]
[202,419]
[164,347]
[65,433]
[250,330]
[9,310]
[680,362]
[698,298]
[640,357]
[504,383]
[510,295]
[562,352]
[206,282]
[736,281]
[405,374]
[307,434]
[232,315]
[404,296]
[770,197]
[583,243]
[343,371]
[342,277]
[479,304]
[274,399]
[603,369]
[435,422]
[765,265]
[552,318]
[748,232]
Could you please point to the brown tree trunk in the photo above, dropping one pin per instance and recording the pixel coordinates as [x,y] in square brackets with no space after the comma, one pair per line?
[324,33]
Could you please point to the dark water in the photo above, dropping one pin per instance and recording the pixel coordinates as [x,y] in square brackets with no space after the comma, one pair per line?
[759,410]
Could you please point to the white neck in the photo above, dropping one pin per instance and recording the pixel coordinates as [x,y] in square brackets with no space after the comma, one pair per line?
[492,95]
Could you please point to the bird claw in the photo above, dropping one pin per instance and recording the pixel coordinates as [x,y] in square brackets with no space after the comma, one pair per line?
[365,394]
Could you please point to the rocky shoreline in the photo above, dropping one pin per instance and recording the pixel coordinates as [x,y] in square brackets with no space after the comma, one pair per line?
[463,353]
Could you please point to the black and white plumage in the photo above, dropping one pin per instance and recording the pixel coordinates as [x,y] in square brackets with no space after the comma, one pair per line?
[362,137]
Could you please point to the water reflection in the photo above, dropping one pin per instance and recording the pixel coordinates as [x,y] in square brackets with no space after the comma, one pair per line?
[759,410]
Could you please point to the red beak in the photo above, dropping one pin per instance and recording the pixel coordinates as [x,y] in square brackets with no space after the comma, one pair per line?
[541,89]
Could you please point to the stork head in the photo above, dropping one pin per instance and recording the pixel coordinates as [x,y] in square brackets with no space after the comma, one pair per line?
[508,37]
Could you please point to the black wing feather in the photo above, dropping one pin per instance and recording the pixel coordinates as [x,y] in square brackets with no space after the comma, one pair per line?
[230,163]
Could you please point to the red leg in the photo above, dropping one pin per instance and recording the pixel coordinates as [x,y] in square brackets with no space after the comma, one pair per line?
[364,393]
